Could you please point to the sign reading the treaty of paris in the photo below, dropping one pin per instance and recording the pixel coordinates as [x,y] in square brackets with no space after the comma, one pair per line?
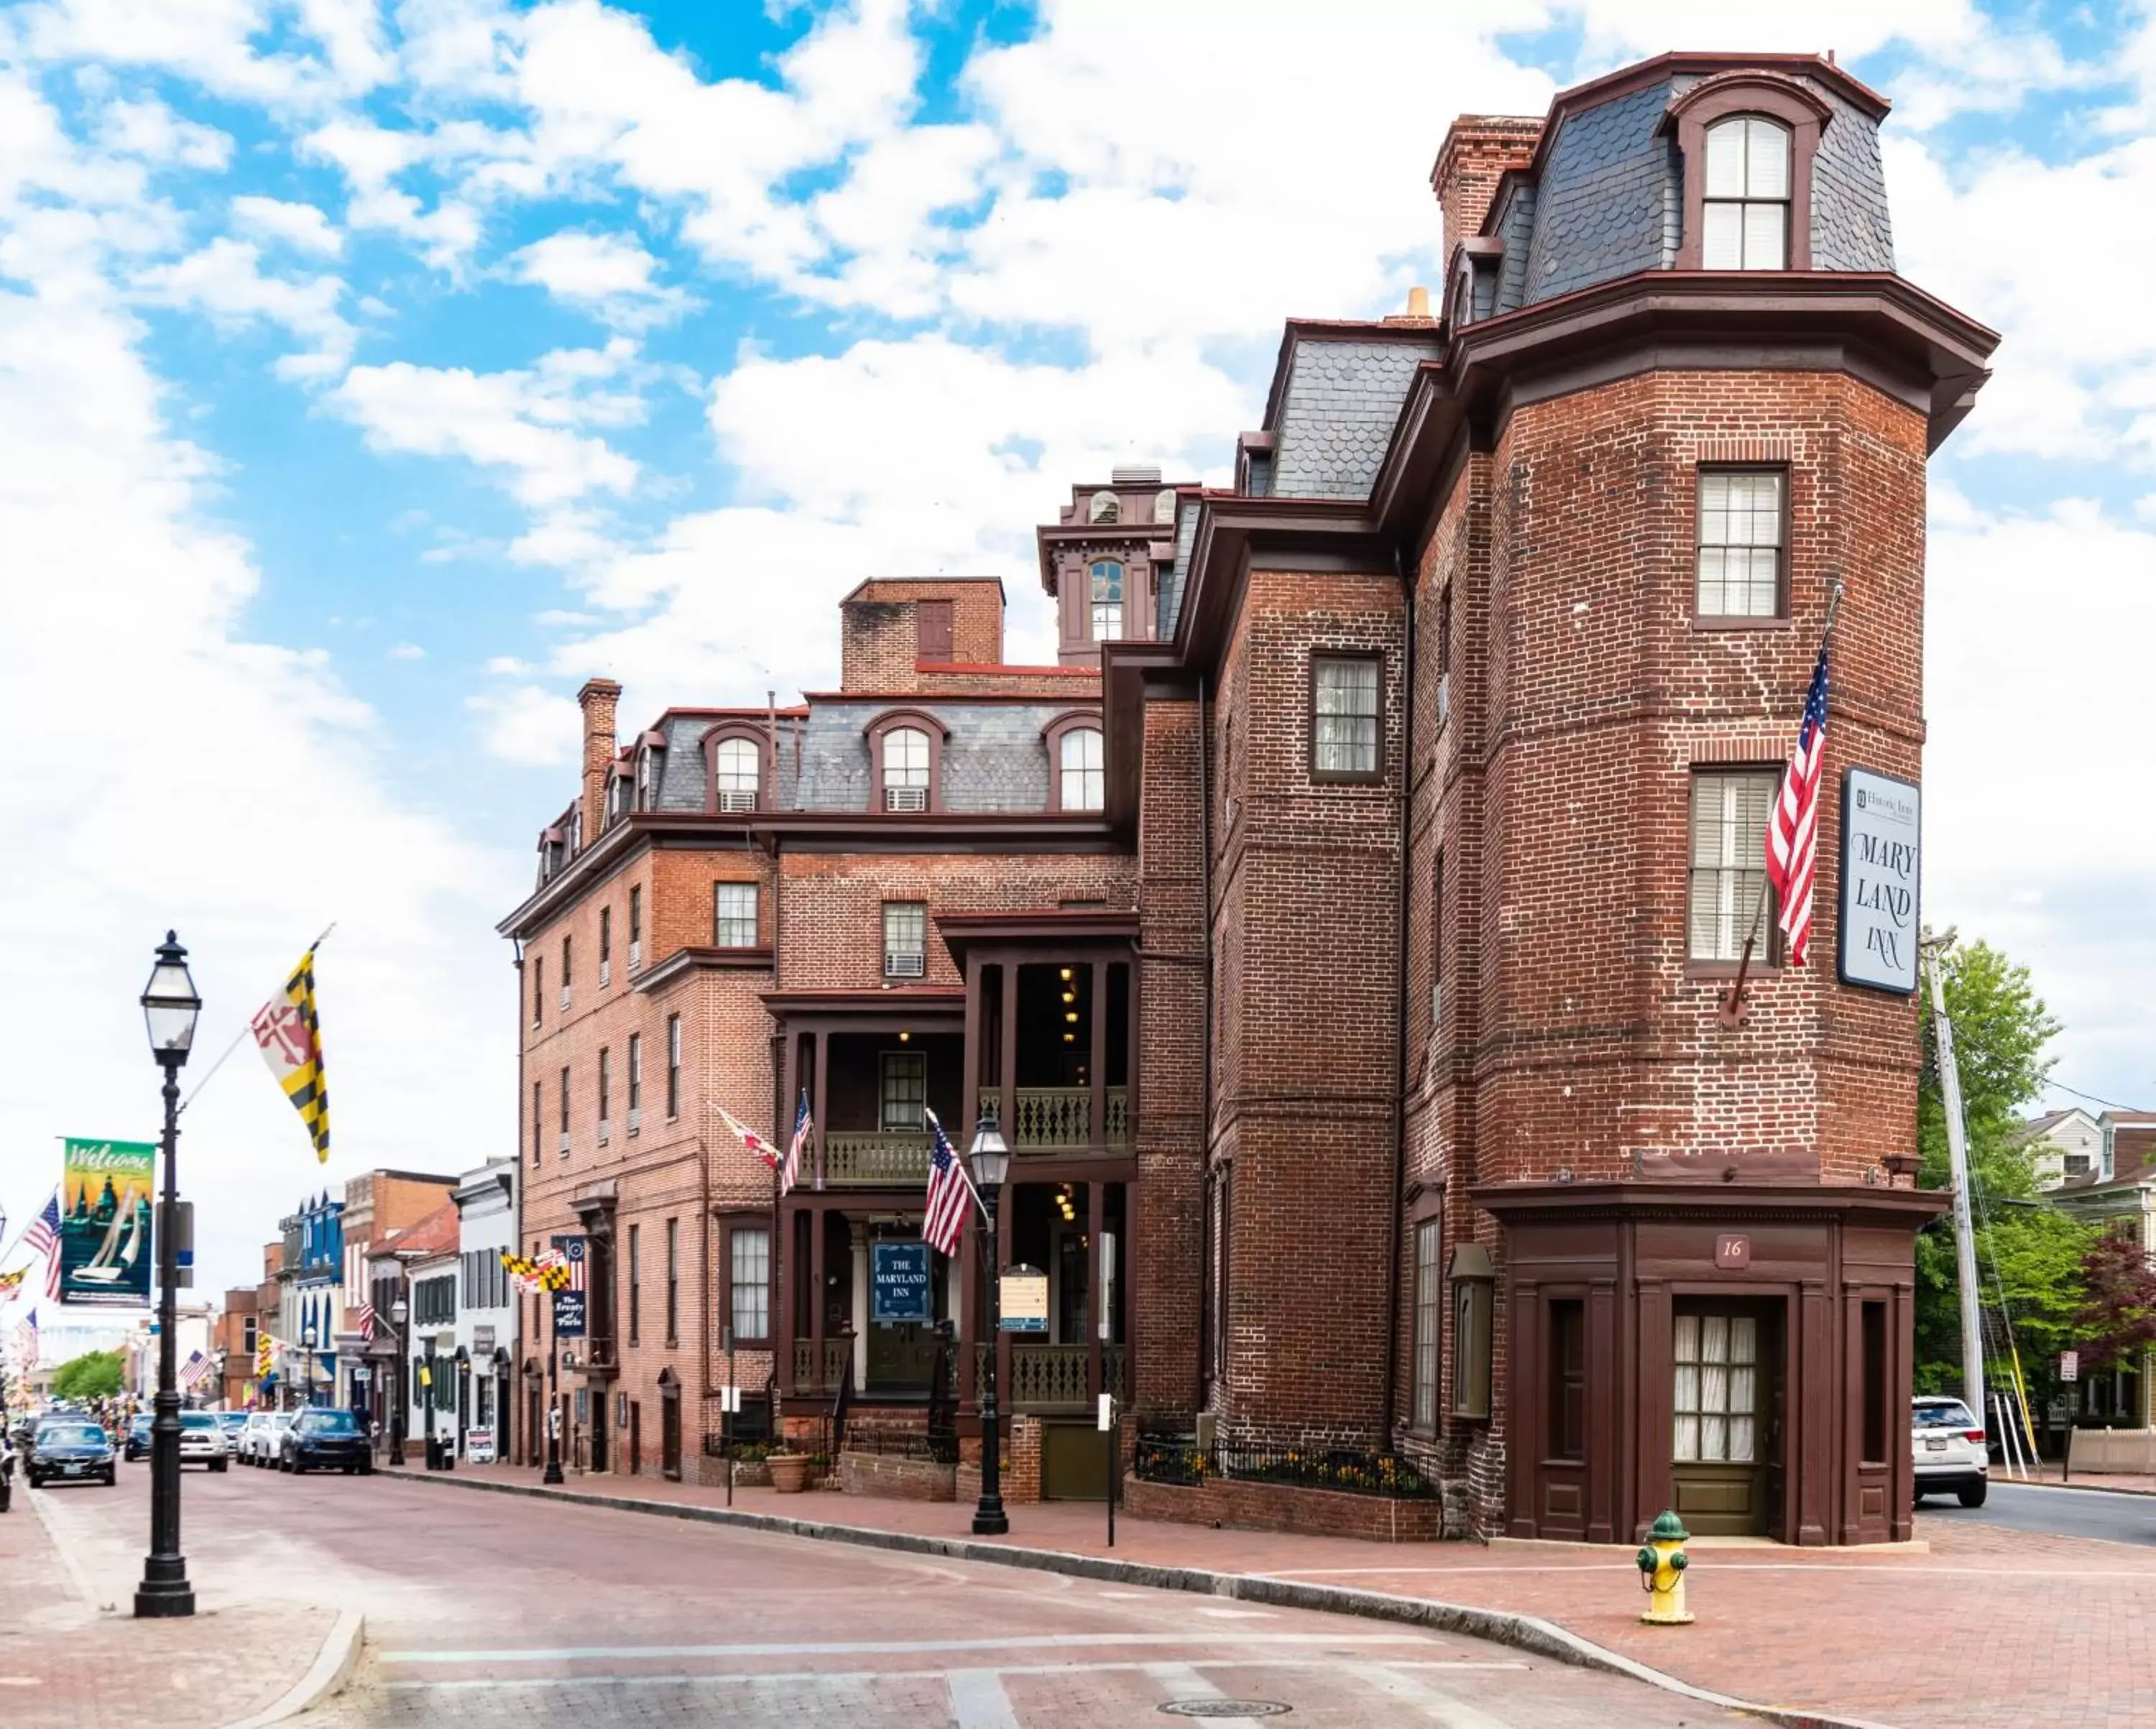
[1882,822]
[105,1223]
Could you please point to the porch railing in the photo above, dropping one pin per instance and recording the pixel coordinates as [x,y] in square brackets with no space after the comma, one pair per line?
[1051,1378]
[858,1159]
[1061,1116]
[807,1377]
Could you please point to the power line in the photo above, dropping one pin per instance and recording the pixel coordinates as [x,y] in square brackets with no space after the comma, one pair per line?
[2109,1104]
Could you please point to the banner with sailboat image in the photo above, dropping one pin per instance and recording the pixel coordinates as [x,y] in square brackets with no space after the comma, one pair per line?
[106,1204]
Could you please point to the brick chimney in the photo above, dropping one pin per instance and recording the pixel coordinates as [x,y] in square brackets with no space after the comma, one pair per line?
[597,699]
[1479,148]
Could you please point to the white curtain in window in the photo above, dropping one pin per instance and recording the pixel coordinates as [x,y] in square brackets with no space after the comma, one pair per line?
[1084,785]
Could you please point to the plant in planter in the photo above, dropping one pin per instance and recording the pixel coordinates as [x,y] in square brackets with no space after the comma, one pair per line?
[789,1472]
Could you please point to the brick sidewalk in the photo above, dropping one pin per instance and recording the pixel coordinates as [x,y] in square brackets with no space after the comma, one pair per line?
[72,1660]
[1991,1629]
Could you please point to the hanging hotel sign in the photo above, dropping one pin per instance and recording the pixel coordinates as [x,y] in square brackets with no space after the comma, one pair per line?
[898,1283]
[1881,843]
[1023,1301]
[105,1223]
[569,1298]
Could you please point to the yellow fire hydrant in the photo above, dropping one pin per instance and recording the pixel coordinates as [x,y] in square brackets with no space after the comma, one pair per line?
[1663,1566]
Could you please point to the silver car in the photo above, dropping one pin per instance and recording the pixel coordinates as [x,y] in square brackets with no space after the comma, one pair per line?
[201,1440]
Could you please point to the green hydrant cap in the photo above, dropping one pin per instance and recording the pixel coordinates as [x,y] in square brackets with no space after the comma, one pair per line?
[1669,1529]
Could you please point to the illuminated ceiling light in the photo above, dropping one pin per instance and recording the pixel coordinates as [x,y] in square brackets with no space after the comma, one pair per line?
[1067,975]
[1070,1038]
[1070,1015]
[905,1037]
[1070,996]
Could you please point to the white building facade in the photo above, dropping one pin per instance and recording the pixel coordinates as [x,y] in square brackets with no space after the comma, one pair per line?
[486,1311]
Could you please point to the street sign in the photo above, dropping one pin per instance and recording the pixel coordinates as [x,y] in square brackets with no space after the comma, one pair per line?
[1023,1301]
[2070,1365]
[363,1375]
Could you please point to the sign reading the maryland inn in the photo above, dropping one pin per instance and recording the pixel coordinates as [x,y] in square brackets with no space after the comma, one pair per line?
[1881,824]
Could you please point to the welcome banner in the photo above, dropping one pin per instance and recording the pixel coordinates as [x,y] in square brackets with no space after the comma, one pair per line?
[105,1222]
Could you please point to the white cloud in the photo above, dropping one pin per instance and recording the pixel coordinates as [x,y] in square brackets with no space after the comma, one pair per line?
[526,423]
[408,651]
[528,725]
[297,225]
[225,281]
[210,42]
[371,157]
[152,131]
[507,666]
[607,275]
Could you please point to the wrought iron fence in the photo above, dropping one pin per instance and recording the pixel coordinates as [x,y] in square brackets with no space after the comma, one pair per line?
[1182,1461]
[938,1446]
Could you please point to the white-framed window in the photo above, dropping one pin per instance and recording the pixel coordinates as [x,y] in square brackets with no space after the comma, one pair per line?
[1740,544]
[904,1090]
[648,763]
[1428,1314]
[1106,592]
[673,1066]
[1343,721]
[1716,1391]
[736,768]
[1746,220]
[1083,784]
[1105,507]
[1728,870]
[733,914]
[904,939]
[749,1279]
[905,771]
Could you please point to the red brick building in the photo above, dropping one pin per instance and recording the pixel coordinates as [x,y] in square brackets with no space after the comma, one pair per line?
[1360,1021]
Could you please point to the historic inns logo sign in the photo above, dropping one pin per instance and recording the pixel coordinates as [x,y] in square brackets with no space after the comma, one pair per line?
[1880,851]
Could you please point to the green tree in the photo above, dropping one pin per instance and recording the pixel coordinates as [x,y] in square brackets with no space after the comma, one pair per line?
[2025,1252]
[95,1374]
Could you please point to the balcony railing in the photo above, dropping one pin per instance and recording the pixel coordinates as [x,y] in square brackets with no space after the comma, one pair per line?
[890,1160]
[1051,1378]
[806,1377]
[1061,1116]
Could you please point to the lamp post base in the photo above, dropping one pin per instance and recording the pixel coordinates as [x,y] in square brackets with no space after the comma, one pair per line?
[552,1474]
[164,1593]
[987,1523]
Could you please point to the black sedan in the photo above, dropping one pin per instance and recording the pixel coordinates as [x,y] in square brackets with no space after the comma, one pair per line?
[71,1450]
[322,1440]
[137,1445]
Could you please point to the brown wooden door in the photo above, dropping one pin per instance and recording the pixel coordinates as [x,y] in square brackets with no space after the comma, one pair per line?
[636,1438]
[670,1436]
[1725,1396]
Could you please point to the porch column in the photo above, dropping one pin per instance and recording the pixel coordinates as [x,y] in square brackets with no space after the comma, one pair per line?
[815,1296]
[1005,1206]
[969,1105]
[968,1314]
[1096,1212]
[1096,1064]
[857,1237]
[1008,1075]
[822,1089]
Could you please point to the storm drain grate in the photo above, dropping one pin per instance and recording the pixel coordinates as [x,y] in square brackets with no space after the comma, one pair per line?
[1225,1708]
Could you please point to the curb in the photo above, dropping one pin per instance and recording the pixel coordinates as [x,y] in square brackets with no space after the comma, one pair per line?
[331,1667]
[1528,1633]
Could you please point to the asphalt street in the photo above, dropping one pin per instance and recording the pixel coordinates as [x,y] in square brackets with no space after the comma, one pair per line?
[2055,1510]
[487,1609]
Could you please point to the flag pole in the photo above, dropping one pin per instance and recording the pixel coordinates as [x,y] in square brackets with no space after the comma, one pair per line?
[245,1027]
[1732,1013]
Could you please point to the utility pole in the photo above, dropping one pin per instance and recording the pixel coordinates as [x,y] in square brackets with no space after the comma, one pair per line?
[1972,1334]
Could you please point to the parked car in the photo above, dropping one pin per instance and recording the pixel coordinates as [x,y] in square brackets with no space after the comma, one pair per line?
[201,1440]
[1948,1445]
[71,1450]
[324,1440]
[264,1431]
[233,1423]
[137,1444]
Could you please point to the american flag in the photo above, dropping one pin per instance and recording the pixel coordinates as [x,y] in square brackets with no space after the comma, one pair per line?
[1793,830]
[572,1252]
[365,1316]
[950,1193]
[26,1343]
[789,1173]
[193,1369]
[44,1238]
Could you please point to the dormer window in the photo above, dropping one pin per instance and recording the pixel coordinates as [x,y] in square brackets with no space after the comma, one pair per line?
[1163,506]
[1107,597]
[905,769]
[1105,507]
[1745,222]
[1082,780]
[647,779]
[737,771]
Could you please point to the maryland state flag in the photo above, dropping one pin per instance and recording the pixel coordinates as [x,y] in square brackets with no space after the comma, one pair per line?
[548,1272]
[8,1281]
[291,1034]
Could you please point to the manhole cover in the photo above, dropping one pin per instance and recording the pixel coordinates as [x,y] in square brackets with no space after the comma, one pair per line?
[1225,1708]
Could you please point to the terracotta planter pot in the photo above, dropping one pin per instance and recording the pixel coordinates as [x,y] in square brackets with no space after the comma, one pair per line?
[789,1472]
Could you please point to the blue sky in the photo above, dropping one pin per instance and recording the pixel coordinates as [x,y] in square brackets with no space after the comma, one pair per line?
[372,372]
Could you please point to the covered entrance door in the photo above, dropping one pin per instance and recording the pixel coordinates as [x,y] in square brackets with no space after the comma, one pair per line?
[1725,1441]
[904,1292]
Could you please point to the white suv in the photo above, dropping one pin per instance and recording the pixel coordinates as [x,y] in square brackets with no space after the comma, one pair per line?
[201,1440]
[1948,1445]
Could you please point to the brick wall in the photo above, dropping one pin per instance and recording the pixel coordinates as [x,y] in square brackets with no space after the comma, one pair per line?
[878,637]
[1282,1506]
[1477,151]
[892,1478]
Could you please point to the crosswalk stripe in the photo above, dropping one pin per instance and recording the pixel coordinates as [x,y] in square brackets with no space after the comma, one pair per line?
[1442,1708]
[1183,1681]
[978,1701]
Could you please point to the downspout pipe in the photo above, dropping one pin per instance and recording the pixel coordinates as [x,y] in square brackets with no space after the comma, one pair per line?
[1396,1250]
[1208,1294]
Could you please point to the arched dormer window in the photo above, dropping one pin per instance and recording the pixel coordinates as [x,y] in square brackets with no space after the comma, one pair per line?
[906,757]
[1106,594]
[1748,139]
[650,764]
[1163,505]
[734,757]
[1077,762]
[1105,507]
[620,791]
[1745,223]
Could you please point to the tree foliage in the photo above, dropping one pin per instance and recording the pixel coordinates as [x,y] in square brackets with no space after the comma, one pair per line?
[95,1374]
[2026,1254]
[2119,1318]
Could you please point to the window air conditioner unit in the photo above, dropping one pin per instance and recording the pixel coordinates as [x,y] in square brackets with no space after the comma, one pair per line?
[606,1130]
[904,965]
[635,955]
[1443,698]
[738,798]
[635,1117]
[915,799]
[606,973]
[565,1143]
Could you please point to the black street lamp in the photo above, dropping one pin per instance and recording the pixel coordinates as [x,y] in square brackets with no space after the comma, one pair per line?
[170,1009]
[433,1463]
[991,1160]
[307,1337]
[552,1474]
[399,1313]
